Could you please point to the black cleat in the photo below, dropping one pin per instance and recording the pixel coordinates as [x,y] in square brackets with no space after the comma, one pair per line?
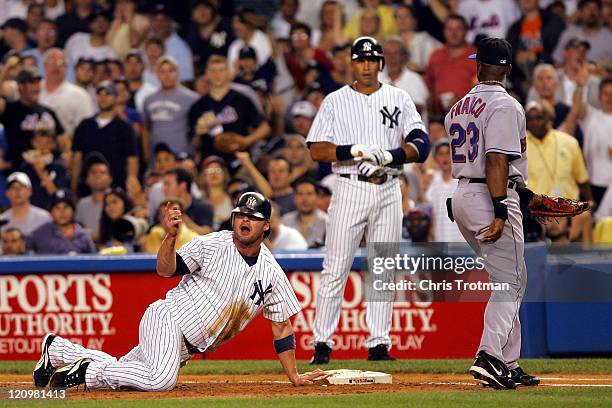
[70,375]
[44,370]
[490,371]
[321,354]
[520,377]
[379,353]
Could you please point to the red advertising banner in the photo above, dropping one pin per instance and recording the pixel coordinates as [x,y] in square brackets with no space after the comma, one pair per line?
[102,311]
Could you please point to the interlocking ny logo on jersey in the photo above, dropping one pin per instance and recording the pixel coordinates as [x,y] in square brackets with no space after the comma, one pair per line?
[260,292]
[392,117]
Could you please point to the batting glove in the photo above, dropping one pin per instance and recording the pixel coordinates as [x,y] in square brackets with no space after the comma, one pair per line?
[367,153]
[378,156]
[358,150]
[369,169]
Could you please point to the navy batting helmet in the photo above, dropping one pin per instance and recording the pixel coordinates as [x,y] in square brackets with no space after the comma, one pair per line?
[364,47]
[254,204]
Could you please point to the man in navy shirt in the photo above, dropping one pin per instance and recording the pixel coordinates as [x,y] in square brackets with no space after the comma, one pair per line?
[225,110]
[109,135]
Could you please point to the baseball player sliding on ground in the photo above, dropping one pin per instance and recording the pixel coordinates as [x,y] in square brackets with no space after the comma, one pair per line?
[228,278]
[368,130]
[489,154]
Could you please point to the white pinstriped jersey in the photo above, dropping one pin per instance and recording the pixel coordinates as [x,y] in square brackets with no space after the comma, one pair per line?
[222,294]
[485,120]
[348,117]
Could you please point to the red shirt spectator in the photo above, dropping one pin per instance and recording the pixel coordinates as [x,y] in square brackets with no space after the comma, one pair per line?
[303,57]
[450,74]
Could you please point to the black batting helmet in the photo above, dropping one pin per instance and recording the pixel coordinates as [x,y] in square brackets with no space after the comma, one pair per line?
[367,47]
[254,204]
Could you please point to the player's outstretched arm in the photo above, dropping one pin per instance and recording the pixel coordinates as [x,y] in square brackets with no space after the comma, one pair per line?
[496,170]
[171,218]
[284,344]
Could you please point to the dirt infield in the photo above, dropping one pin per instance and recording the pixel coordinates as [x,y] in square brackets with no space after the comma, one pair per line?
[245,386]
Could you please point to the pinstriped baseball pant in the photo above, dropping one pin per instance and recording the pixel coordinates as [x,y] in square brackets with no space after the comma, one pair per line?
[152,365]
[357,207]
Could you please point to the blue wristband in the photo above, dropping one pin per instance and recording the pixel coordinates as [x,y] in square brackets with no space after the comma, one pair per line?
[284,344]
[420,140]
[399,156]
[344,152]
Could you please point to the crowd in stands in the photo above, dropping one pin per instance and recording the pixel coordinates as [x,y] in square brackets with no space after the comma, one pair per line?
[109,110]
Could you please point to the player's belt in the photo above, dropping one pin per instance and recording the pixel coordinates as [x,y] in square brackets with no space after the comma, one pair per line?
[191,349]
[373,179]
[511,183]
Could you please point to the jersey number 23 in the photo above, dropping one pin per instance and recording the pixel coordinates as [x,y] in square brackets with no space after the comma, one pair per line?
[459,135]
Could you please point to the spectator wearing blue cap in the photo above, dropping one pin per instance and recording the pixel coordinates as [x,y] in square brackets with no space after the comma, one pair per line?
[259,77]
[109,135]
[61,235]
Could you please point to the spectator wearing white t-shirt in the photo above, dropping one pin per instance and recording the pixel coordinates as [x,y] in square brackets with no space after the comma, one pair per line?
[397,74]
[597,145]
[490,18]
[70,102]
[282,236]
[248,35]
[442,187]
[91,45]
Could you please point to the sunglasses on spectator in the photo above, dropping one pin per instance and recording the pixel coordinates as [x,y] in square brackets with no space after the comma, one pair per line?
[214,170]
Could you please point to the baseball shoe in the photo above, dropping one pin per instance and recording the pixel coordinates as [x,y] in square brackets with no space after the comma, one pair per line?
[44,370]
[321,354]
[490,371]
[379,353]
[70,375]
[520,377]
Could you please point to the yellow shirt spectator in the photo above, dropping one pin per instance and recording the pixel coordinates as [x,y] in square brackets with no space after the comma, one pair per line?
[352,29]
[152,241]
[555,164]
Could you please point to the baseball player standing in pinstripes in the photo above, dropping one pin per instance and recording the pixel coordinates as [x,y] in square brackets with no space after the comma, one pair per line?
[368,130]
[228,278]
[488,135]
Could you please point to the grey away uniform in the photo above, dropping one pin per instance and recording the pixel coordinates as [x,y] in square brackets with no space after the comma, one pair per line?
[211,304]
[348,117]
[488,120]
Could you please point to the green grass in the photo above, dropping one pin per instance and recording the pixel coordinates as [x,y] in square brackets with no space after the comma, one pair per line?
[540,366]
[541,397]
